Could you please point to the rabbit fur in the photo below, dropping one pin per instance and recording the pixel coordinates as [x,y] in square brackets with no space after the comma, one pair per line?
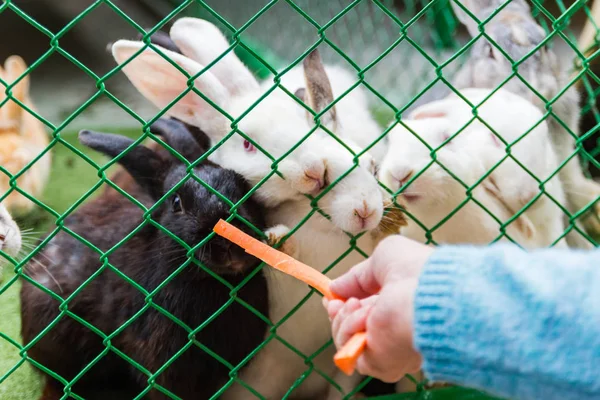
[22,139]
[517,33]
[276,124]
[10,236]
[432,193]
[148,258]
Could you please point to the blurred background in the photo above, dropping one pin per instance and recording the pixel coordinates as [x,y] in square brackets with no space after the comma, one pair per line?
[280,35]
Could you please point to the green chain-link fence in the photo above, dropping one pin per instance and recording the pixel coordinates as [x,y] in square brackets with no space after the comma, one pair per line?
[401,53]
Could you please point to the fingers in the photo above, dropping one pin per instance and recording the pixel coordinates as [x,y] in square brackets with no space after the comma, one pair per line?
[359,282]
[349,318]
[333,307]
[395,255]
[349,307]
[354,323]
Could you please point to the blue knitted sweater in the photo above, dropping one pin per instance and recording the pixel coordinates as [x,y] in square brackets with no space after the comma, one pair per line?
[520,325]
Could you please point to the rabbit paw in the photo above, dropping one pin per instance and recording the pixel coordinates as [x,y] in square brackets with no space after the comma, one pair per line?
[591,221]
[579,195]
[276,234]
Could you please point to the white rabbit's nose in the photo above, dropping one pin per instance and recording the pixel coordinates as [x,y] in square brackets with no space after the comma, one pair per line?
[364,213]
[315,175]
[404,177]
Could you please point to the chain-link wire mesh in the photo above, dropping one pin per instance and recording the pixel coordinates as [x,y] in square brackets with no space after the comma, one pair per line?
[402,54]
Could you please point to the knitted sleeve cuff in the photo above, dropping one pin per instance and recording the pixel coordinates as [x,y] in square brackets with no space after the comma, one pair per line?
[436,312]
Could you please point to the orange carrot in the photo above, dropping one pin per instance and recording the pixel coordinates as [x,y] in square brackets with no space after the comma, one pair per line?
[346,357]
[275,258]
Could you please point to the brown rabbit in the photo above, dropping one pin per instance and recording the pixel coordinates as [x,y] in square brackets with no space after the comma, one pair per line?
[22,139]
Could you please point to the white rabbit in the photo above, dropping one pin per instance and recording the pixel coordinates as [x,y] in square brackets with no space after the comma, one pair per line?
[10,236]
[276,124]
[515,31]
[432,193]
[353,119]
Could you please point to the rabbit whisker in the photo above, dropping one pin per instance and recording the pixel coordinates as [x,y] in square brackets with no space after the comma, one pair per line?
[49,274]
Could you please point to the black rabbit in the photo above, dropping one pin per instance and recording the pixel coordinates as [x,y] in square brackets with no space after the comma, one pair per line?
[126,296]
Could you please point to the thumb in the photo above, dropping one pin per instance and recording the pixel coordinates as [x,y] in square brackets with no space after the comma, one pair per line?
[360,282]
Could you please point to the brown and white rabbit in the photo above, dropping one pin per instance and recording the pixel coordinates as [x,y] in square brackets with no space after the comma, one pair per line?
[277,124]
[515,31]
[149,258]
[10,236]
[22,139]
[433,191]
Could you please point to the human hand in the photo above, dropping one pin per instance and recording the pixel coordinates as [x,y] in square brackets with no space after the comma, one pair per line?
[380,293]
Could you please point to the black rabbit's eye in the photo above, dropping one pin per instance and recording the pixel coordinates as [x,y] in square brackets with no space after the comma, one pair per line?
[176,205]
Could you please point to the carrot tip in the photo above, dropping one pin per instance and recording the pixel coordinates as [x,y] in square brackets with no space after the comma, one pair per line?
[344,366]
[345,359]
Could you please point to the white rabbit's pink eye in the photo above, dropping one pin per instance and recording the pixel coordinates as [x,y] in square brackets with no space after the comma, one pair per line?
[496,141]
[249,147]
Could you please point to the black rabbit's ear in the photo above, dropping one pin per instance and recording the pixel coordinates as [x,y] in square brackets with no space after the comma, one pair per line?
[163,40]
[177,135]
[198,134]
[145,166]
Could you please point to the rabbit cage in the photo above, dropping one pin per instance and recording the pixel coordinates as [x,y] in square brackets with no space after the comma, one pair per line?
[403,53]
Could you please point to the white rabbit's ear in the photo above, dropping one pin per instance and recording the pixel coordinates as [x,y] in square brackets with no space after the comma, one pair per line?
[513,4]
[464,17]
[426,114]
[160,82]
[318,94]
[482,9]
[436,109]
[203,42]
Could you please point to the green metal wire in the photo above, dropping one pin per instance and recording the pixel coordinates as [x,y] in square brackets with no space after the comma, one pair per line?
[267,64]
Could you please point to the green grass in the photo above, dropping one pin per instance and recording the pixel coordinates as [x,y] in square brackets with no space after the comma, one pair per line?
[71,178]
[22,383]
